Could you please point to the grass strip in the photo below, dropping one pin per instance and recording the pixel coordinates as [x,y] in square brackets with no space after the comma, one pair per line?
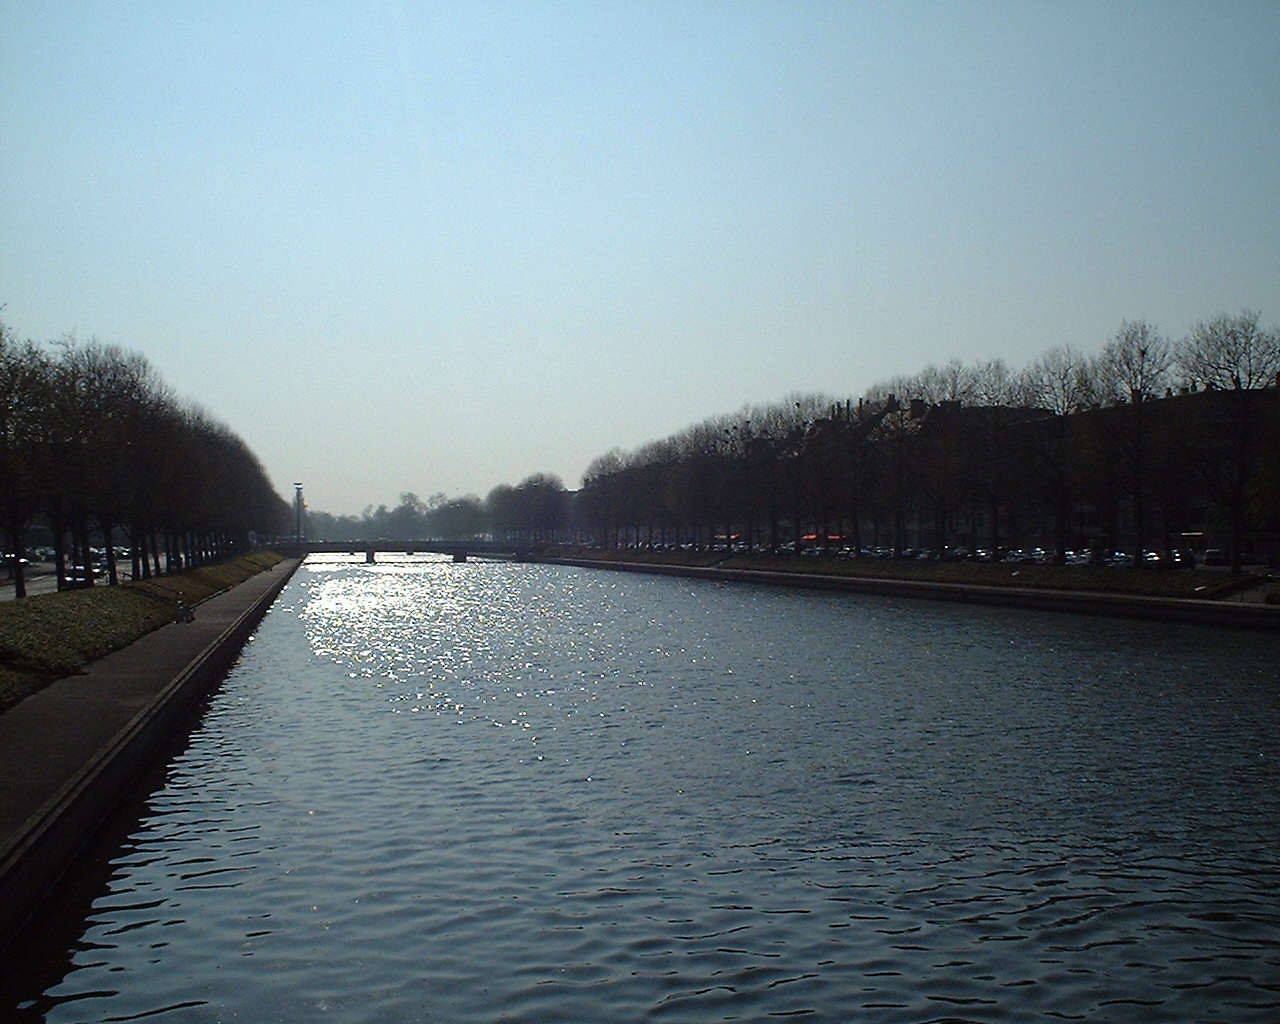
[48,636]
[1179,583]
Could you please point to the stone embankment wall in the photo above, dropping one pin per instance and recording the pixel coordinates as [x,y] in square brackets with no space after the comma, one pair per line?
[1180,610]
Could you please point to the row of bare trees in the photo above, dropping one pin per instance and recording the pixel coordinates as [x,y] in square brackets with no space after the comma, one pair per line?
[535,511]
[94,446]
[1136,441]
[1133,446]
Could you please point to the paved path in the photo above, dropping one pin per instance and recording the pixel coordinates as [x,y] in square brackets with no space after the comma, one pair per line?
[56,743]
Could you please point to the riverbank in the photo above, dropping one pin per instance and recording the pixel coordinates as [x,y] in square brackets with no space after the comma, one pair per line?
[69,752]
[47,636]
[1203,597]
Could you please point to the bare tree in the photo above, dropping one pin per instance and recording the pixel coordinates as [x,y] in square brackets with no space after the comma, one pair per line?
[24,382]
[998,392]
[1061,385]
[1230,353]
[601,496]
[1235,357]
[541,507]
[1132,371]
[456,519]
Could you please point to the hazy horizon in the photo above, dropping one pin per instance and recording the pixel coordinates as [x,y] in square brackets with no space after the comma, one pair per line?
[413,247]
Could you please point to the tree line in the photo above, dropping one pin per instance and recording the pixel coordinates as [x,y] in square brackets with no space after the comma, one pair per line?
[96,448]
[1143,445]
[538,510]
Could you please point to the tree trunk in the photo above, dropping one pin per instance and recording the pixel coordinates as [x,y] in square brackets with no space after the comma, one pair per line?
[17,535]
[108,547]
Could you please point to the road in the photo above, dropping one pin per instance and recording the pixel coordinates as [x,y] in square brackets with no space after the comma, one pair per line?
[41,579]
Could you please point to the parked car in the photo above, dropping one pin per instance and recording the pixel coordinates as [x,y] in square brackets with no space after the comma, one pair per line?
[1214,556]
[76,576]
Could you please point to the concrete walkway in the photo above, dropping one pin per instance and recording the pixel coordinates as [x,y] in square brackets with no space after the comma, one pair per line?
[69,752]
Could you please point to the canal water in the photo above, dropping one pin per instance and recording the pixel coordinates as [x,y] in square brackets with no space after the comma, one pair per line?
[506,792]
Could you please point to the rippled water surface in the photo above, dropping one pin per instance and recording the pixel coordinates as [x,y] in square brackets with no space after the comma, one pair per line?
[498,792]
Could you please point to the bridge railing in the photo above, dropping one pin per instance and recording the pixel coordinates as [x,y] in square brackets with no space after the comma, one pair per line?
[458,549]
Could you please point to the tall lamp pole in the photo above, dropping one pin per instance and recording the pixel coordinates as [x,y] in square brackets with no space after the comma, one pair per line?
[297,508]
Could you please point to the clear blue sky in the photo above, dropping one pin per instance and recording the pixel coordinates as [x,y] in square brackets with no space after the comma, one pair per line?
[403,246]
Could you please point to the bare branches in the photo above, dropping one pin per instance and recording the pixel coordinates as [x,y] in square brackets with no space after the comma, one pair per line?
[1230,353]
[1134,364]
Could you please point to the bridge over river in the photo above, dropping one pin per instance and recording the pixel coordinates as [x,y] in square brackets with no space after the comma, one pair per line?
[371,549]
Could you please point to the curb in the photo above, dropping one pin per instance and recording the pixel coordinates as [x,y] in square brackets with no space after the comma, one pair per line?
[1155,609]
[40,852]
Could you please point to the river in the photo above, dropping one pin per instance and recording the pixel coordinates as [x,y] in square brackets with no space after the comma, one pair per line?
[512,792]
